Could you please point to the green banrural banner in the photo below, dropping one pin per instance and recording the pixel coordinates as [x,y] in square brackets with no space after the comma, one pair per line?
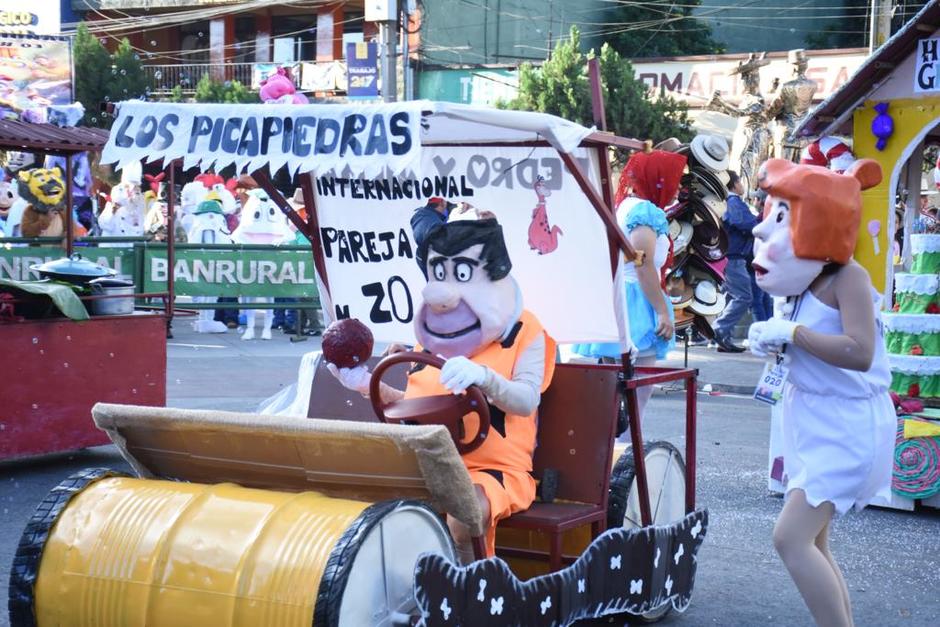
[15,262]
[272,273]
[257,273]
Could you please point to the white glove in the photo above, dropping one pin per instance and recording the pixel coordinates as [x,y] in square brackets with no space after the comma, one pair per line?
[459,373]
[753,339]
[356,379]
[770,336]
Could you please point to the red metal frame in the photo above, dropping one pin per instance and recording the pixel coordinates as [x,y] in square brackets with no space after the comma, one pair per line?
[59,368]
[602,203]
[652,375]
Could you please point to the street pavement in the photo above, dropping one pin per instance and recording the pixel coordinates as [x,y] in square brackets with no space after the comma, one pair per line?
[890,559]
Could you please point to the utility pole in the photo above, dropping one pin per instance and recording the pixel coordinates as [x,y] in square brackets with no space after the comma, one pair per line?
[881,13]
[408,8]
[385,12]
[550,24]
[390,61]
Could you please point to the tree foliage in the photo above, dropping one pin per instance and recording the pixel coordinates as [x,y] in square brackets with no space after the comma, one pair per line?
[661,28]
[92,73]
[231,92]
[128,79]
[561,87]
[102,77]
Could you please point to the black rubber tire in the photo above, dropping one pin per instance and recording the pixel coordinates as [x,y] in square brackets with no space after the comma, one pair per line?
[621,480]
[339,565]
[25,567]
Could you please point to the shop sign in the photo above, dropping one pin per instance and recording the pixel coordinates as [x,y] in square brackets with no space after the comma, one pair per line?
[478,87]
[15,262]
[926,77]
[38,18]
[694,82]
[256,273]
[362,70]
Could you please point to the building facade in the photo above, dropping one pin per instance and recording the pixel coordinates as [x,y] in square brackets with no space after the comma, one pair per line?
[182,40]
[483,32]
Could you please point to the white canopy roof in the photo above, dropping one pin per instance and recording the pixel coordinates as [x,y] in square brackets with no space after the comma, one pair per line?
[361,140]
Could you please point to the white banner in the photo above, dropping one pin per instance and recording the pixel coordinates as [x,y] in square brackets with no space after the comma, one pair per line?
[370,251]
[928,61]
[365,139]
[329,76]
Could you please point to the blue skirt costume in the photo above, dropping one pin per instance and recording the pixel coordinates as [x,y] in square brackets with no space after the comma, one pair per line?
[640,312]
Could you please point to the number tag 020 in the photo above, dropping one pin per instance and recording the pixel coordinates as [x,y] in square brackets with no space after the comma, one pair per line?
[770,387]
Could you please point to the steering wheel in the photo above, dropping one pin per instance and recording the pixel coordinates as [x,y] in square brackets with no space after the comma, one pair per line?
[441,409]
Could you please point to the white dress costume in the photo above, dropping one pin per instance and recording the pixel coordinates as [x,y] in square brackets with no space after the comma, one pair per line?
[838,425]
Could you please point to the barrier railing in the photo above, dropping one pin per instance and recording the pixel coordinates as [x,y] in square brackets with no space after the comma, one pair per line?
[163,78]
[204,271]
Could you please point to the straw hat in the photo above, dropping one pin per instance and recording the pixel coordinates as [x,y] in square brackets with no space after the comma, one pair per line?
[709,182]
[706,299]
[710,151]
[679,291]
[681,234]
[669,145]
[709,241]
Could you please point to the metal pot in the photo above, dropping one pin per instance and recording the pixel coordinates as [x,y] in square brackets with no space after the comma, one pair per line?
[74,269]
[111,306]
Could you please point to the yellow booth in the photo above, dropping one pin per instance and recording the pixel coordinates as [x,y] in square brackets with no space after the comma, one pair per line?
[891,110]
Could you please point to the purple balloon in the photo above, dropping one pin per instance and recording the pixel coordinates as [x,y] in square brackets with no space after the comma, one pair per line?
[882,126]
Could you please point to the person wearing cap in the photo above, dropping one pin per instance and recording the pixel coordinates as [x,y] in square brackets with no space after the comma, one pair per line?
[738,222]
[762,305]
[426,218]
[653,177]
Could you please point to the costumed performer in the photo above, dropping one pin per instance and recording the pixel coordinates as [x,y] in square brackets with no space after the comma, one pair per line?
[473,317]
[838,420]
[648,184]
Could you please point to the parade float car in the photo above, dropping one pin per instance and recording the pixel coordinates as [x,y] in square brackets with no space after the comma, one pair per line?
[333,515]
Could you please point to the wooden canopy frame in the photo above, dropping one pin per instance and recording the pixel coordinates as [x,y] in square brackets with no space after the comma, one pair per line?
[602,202]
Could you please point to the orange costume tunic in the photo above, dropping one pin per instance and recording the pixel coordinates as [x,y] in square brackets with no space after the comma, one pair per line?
[502,464]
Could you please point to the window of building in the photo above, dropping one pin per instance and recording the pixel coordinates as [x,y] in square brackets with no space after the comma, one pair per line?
[194,42]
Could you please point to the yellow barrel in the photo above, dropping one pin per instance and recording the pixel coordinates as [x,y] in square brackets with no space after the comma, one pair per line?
[127,552]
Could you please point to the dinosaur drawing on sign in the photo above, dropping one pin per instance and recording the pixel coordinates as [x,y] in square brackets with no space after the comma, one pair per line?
[542,237]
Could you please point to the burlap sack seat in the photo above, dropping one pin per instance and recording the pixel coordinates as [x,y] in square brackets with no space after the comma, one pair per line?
[355,460]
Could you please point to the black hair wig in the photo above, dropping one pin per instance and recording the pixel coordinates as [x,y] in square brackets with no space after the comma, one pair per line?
[451,238]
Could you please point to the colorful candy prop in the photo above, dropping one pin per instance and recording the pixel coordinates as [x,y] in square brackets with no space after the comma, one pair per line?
[874,228]
[828,152]
[882,127]
[916,466]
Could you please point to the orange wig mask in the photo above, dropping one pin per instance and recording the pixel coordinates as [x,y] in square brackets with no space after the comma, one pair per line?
[825,207]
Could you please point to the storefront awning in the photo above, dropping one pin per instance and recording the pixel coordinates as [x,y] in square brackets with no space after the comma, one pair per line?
[17,135]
